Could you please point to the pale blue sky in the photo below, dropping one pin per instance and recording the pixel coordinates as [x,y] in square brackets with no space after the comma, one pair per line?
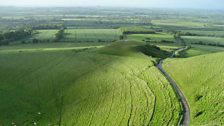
[209,4]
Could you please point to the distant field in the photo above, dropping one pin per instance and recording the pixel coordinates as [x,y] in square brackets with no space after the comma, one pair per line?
[201,79]
[205,33]
[164,37]
[91,35]
[50,45]
[182,23]
[112,85]
[136,29]
[204,39]
[152,37]
[77,35]
[46,34]
[200,50]
[42,36]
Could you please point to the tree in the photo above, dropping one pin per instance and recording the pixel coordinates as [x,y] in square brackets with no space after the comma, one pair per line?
[121,37]
[59,35]
[35,40]
[1,37]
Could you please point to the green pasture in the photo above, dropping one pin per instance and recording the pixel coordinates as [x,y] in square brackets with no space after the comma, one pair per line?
[173,22]
[45,34]
[196,50]
[91,35]
[152,37]
[200,78]
[113,85]
[205,33]
[203,39]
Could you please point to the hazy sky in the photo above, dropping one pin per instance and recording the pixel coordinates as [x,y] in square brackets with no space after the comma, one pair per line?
[209,4]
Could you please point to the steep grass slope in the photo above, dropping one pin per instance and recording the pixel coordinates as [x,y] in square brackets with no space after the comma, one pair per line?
[113,85]
[201,79]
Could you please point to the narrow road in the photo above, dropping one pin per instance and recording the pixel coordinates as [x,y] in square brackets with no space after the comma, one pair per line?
[186,109]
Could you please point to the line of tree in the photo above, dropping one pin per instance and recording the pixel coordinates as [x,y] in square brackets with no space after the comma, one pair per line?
[14,35]
[210,44]
[194,34]
[139,32]
[189,34]
[47,26]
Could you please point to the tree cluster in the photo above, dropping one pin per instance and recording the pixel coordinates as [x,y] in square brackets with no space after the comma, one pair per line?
[59,35]
[139,32]
[14,35]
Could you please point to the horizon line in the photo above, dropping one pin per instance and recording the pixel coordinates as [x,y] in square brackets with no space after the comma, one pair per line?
[104,6]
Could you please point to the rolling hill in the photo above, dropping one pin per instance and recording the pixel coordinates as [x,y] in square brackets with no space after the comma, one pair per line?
[113,85]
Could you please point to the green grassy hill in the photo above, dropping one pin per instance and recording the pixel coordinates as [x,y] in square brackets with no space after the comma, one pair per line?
[113,85]
[201,79]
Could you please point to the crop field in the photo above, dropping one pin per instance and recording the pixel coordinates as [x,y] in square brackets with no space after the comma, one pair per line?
[200,78]
[85,86]
[91,35]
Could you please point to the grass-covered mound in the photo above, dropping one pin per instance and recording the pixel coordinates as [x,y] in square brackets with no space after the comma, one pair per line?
[85,87]
[201,79]
[131,47]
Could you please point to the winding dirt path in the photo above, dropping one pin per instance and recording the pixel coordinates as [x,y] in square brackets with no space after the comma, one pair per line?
[185,121]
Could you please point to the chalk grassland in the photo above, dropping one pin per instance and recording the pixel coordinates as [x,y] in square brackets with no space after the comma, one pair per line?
[112,85]
[91,35]
[201,79]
